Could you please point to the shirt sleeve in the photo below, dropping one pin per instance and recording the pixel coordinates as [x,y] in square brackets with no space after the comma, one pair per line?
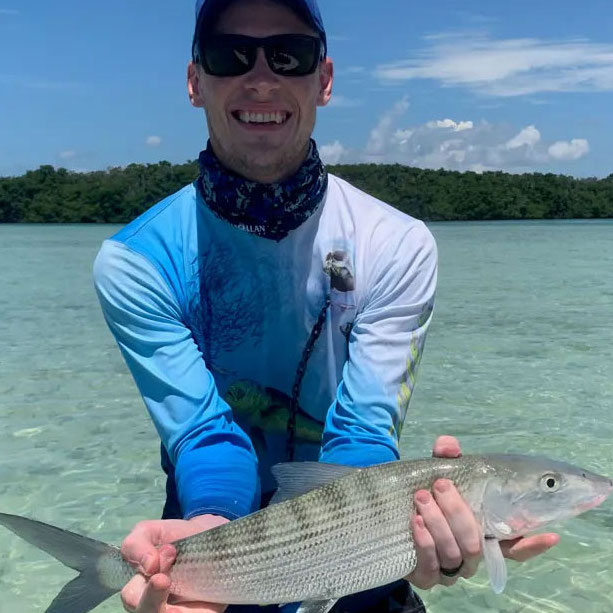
[364,423]
[214,461]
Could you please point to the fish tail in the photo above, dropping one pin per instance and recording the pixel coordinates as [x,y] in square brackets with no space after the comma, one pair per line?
[83,554]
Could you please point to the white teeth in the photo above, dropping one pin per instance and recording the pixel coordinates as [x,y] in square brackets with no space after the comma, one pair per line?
[277,117]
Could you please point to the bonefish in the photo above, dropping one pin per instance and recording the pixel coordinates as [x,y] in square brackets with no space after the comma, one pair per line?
[331,531]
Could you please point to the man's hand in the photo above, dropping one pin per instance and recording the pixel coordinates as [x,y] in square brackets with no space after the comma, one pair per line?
[148,550]
[447,535]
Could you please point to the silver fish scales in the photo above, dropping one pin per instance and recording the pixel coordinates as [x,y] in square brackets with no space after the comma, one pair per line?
[345,537]
[332,531]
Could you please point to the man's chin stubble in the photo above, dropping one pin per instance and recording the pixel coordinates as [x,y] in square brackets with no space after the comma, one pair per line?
[276,170]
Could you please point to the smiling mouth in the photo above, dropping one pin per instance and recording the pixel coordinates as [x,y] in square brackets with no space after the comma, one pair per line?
[271,118]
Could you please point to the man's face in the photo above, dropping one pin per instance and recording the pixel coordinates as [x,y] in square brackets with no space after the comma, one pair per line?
[264,152]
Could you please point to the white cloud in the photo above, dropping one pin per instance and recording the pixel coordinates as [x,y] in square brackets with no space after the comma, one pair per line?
[449,123]
[153,141]
[9,12]
[340,101]
[440,144]
[510,67]
[380,134]
[481,168]
[81,169]
[67,155]
[573,150]
[402,136]
[332,153]
[528,136]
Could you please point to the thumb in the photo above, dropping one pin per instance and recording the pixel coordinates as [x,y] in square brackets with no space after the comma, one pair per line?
[446,447]
[155,595]
[139,548]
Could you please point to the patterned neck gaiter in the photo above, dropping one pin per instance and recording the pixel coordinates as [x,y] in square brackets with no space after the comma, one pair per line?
[270,210]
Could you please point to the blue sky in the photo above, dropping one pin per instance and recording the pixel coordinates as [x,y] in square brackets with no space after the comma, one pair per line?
[518,86]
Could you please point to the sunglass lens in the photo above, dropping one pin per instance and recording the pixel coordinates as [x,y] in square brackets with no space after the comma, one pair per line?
[293,55]
[228,57]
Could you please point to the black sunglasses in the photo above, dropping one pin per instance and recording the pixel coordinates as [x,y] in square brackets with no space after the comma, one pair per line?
[232,55]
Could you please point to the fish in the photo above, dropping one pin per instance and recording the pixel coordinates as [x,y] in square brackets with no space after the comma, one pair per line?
[331,531]
[267,410]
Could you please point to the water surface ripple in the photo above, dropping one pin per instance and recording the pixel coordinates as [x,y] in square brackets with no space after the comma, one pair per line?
[519,358]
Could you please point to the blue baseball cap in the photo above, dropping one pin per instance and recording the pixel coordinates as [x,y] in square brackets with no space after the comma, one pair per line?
[308,10]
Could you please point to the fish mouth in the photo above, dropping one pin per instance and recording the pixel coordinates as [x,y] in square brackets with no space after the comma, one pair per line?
[603,488]
[592,503]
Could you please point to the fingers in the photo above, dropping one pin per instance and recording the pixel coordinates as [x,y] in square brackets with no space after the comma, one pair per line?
[146,548]
[139,547]
[132,592]
[168,555]
[462,524]
[523,549]
[447,550]
[427,570]
[139,592]
[446,535]
[446,447]
[142,596]
[155,595]
[197,607]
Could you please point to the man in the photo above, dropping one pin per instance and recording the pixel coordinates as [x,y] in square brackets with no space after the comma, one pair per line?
[272,312]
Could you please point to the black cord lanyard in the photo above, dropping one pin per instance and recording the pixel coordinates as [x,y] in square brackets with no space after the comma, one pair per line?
[302,366]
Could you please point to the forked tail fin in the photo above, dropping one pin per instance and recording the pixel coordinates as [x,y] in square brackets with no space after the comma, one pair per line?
[85,555]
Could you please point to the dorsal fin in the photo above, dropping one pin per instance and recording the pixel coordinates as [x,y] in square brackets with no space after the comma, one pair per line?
[297,478]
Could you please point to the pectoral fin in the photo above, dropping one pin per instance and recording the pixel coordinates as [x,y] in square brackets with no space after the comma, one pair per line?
[495,564]
[317,606]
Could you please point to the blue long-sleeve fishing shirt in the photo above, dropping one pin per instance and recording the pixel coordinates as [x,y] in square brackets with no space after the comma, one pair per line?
[213,320]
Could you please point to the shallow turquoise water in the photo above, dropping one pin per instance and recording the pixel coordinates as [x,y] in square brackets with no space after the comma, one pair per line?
[520,358]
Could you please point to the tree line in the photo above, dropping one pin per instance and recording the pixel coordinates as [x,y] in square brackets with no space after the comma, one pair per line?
[118,195]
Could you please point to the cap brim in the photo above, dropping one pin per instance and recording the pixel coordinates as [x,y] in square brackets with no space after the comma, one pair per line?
[308,11]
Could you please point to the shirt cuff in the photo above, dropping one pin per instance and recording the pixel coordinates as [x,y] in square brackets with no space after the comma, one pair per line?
[357,454]
[218,480]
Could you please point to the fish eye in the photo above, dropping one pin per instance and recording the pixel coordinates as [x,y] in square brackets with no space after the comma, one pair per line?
[550,482]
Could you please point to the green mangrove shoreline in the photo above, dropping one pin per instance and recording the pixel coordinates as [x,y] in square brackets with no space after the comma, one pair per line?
[118,195]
